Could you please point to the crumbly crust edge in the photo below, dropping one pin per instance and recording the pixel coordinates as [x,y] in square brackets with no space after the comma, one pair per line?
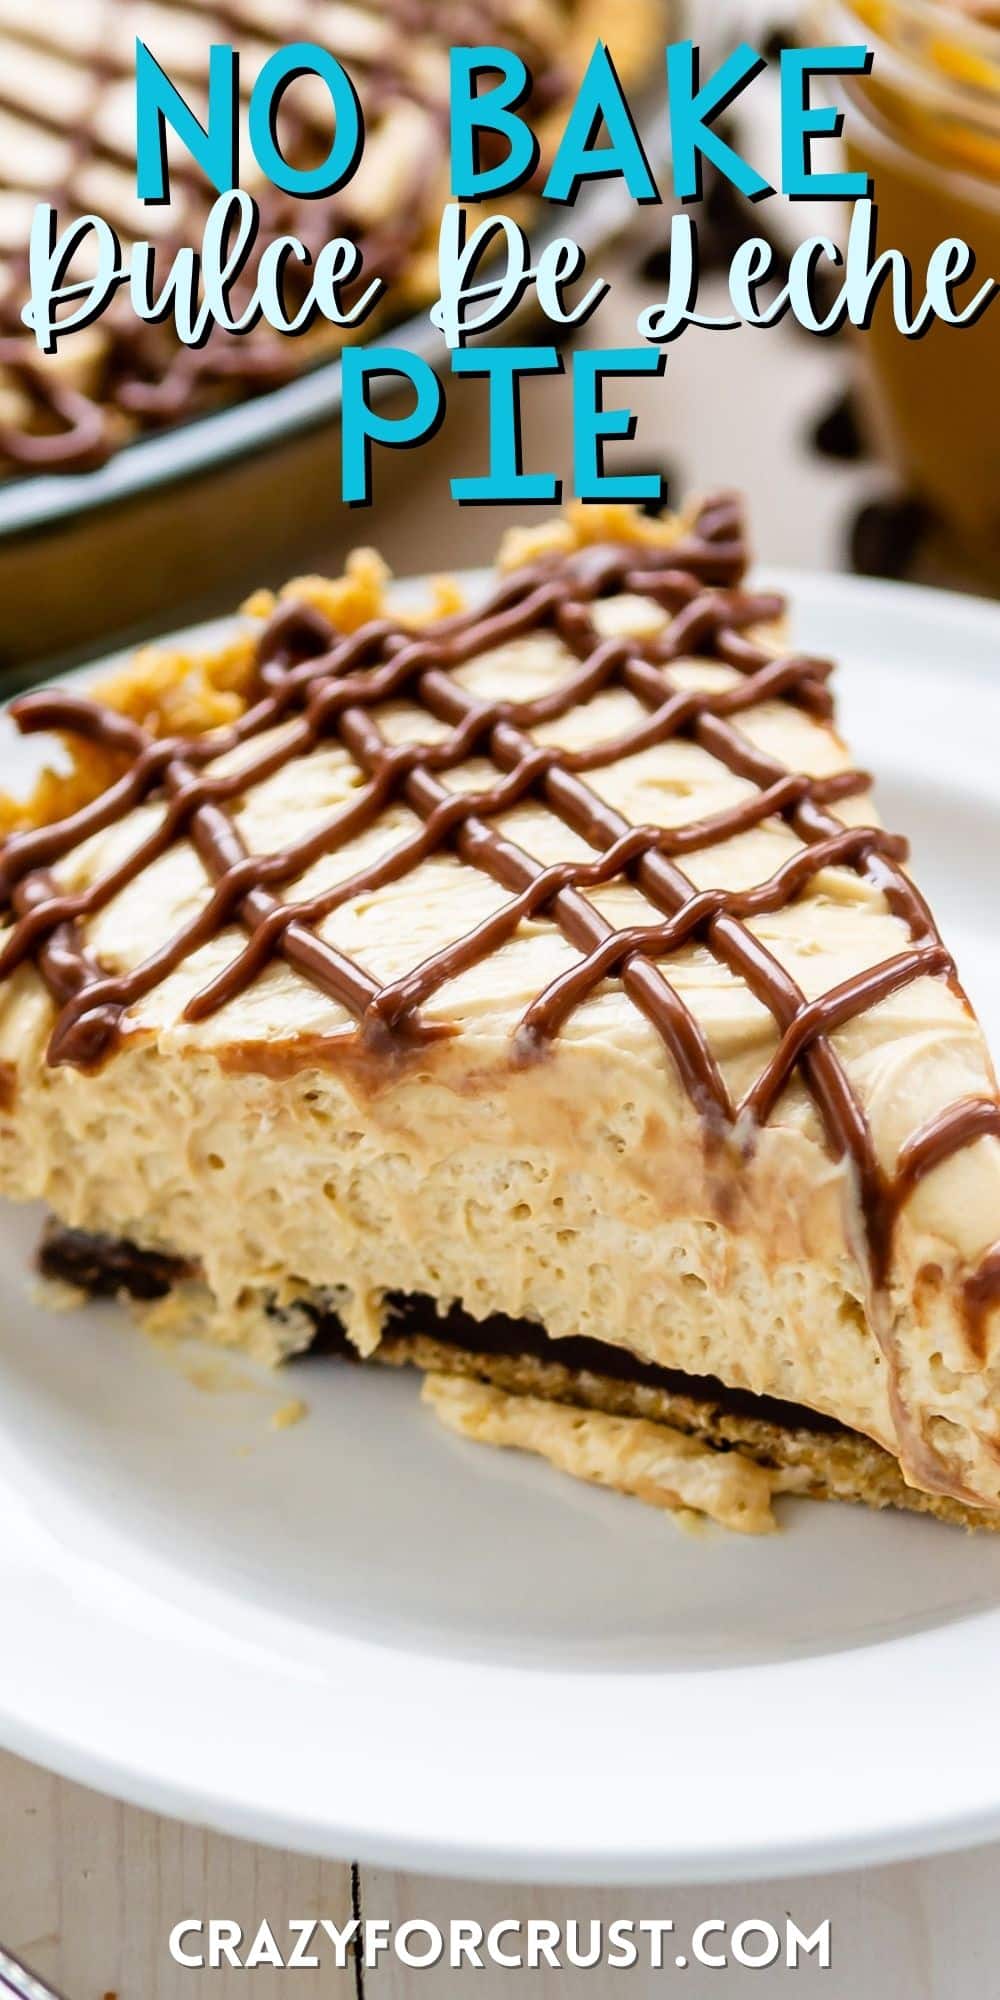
[844,1466]
[188,691]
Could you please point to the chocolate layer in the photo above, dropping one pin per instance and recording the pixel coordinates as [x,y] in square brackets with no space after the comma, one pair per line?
[105,1268]
[414,1316]
[518,1357]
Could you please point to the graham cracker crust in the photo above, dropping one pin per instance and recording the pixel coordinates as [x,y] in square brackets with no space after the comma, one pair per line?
[821,1459]
[834,1464]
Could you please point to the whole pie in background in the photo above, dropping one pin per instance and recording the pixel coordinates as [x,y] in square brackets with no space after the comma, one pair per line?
[67,136]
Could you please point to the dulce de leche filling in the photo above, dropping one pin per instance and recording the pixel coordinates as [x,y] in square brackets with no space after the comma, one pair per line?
[578,902]
[332,685]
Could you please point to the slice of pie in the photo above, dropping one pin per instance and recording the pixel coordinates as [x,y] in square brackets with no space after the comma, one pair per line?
[67,137]
[527,991]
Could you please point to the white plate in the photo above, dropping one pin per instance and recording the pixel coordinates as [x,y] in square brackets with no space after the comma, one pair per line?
[363,1637]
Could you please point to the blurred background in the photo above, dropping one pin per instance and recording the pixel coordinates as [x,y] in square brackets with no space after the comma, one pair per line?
[859,452]
[862,452]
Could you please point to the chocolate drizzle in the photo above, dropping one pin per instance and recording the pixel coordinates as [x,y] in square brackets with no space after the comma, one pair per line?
[147,378]
[322,685]
[982,1294]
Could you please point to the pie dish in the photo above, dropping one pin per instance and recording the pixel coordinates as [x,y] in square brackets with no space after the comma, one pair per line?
[67,136]
[528,991]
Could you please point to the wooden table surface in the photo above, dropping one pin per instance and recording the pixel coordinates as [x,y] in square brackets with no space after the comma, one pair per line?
[89,1892]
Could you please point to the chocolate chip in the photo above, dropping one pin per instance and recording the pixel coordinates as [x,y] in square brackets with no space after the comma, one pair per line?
[886,535]
[778,39]
[655,267]
[722,227]
[725,220]
[648,469]
[559,336]
[838,433]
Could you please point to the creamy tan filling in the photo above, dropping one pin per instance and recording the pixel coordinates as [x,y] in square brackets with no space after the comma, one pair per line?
[581,1192]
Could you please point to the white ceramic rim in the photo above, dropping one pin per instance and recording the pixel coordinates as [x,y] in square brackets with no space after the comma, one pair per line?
[337,1745]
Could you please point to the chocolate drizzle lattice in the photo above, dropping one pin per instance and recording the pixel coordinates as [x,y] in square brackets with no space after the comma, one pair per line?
[323,685]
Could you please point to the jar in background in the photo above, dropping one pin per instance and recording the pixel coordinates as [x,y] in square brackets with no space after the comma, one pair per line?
[926,126]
